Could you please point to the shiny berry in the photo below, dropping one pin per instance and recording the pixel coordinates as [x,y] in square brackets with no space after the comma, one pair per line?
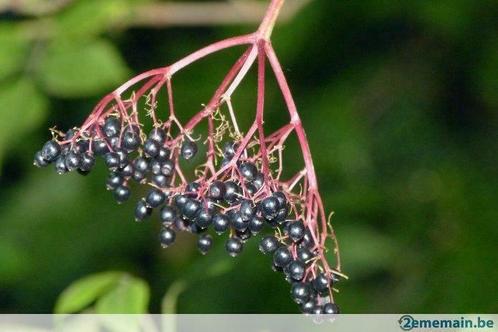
[300,292]
[167,237]
[216,190]
[280,196]
[232,191]
[155,198]
[269,207]
[220,223]
[247,210]
[237,221]
[138,176]
[155,167]
[163,154]
[281,257]
[180,201]
[50,151]
[167,168]
[321,283]
[73,161]
[203,218]
[330,309]
[167,215]
[268,245]
[295,270]
[234,246]
[151,148]
[111,160]
[259,181]
[161,180]
[158,135]
[204,243]
[39,161]
[112,127]
[99,147]
[248,170]
[122,193]
[229,150]
[60,165]
[308,307]
[87,162]
[142,211]
[256,224]
[191,208]
[188,149]
[304,254]
[131,139]
[141,164]
[296,230]
[127,171]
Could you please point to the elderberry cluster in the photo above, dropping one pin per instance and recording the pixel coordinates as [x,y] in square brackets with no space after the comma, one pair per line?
[232,205]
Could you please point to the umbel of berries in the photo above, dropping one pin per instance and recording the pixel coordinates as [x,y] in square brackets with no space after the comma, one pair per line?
[237,191]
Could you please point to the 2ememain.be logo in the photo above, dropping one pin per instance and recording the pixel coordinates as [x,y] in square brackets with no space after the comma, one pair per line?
[408,322]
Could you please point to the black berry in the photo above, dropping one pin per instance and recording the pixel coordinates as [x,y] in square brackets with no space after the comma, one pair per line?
[112,127]
[87,162]
[141,164]
[158,135]
[191,208]
[155,198]
[73,161]
[256,224]
[60,165]
[330,309]
[203,218]
[281,257]
[142,211]
[234,246]
[295,270]
[112,160]
[50,151]
[296,230]
[216,190]
[167,168]
[204,243]
[237,221]
[268,245]
[167,237]
[99,147]
[167,215]
[269,207]
[151,148]
[220,223]
[232,191]
[188,149]
[122,193]
[300,292]
[247,210]
[321,283]
[39,161]
[248,170]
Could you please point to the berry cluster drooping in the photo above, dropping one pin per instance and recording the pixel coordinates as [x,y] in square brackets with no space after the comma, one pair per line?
[237,190]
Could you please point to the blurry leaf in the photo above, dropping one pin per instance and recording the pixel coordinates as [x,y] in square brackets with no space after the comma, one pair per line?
[75,68]
[129,296]
[364,251]
[170,299]
[486,75]
[13,50]
[91,17]
[22,108]
[15,260]
[85,291]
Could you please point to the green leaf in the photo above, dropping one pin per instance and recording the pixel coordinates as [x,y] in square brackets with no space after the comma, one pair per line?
[91,17]
[85,291]
[129,296]
[22,108]
[72,68]
[13,50]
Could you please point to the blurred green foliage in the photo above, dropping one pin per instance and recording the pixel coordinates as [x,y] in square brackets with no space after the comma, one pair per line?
[399,99]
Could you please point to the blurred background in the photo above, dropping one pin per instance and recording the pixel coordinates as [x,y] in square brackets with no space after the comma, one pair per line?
[399,99]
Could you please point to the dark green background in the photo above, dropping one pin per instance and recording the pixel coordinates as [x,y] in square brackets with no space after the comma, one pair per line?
[399,99]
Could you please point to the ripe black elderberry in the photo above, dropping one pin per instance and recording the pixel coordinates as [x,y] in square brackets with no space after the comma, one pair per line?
[281,257]
[234,246]
[114,180]
[122,193]
[155,198]
[87,162]
[39,161]
[158,135]
[216,190]
[180,201]
[50,151]
[229,150]
[155,167]
[142,211]
[259,181]
[248,170]
[296,230]
[321,283]
[191,208]
[237,221]
[268,245]
[220,223]
[167,237]
[161,180]
[163,154]
[123,157]
[188,149]
[204,243]
[300,292]
[127,171]
[295,270]
[308,307]
[269,207]
[99,147]
[247,210]
[256,224]
[203,219]
[167,215]
[60,165]
[330,309]
[141,164]
[112,127]
[131,139]
[304,254]
[167,167]
[151,148]
[138,176]
[112,160]
[232,191]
